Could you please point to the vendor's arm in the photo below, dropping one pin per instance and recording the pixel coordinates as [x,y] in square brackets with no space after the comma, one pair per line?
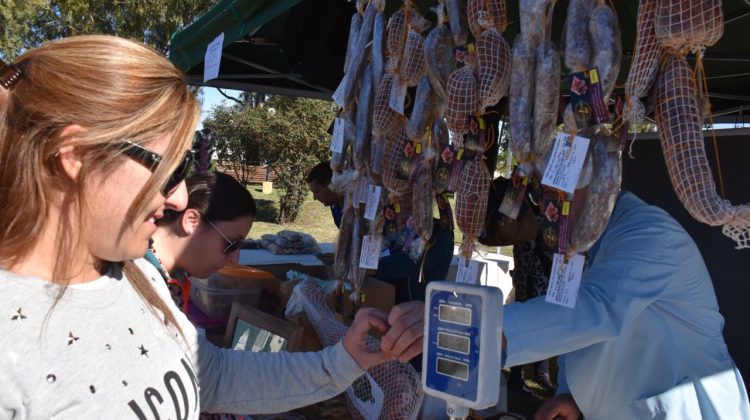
[633,266]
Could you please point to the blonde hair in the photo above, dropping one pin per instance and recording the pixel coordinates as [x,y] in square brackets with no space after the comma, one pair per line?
[115,89]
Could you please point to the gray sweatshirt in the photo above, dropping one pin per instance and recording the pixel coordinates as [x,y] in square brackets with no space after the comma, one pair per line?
[101,353]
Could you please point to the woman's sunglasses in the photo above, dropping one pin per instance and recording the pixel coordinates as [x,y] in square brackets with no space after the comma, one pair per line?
[233,245]
[151,160]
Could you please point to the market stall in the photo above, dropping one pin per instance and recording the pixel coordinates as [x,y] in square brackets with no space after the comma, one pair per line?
[415,86]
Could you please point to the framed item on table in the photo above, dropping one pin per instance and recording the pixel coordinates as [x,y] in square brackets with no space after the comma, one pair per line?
[251,329]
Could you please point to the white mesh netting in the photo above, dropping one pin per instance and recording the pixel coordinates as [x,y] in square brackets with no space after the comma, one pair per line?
[412,62]
[395,174]
[401,384]
[678,118]
[684,26]
[396,34]
[384,118]
[645,62]
[475,10]
[462,101]
[493,67]
[499,14]
[471,202]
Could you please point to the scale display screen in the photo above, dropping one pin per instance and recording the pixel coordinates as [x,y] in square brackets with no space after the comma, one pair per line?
[453,369]
[455,314]
[453,342]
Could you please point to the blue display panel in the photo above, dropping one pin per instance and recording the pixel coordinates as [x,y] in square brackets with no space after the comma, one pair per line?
[454,344]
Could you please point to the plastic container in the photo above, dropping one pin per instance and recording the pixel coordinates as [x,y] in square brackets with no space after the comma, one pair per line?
[214,296]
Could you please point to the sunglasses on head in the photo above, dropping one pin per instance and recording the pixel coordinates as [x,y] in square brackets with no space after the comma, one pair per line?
[152,160]
[233,245]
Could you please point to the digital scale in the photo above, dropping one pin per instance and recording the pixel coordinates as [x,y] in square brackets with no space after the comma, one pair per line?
[461,354]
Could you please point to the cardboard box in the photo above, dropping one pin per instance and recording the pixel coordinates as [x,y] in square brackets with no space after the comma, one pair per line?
[377,294]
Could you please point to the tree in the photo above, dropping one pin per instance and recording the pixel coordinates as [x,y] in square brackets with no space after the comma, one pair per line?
[28,23]
[296,139]
[237,132]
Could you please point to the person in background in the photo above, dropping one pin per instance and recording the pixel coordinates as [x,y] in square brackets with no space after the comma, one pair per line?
[318,179]
[395,266]
[95,133]
[204,237]
[644,339]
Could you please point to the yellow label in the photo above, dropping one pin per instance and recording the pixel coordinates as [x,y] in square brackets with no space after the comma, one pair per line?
[460,153]
[418,147]
[594,75]
[470,47]
[362,297]
[525,180]
[566,208]
[397,207]
[481,123]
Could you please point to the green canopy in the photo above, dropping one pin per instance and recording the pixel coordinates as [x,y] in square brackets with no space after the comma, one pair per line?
[297,47]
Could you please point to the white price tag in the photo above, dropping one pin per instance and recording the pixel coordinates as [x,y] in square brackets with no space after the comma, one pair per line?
[212,59]
[338,94]
[373,201]
[337,141]
[398,96]
[564,280]
[367,396]
[565,163]
[370,254]
[468,271]
[363,188]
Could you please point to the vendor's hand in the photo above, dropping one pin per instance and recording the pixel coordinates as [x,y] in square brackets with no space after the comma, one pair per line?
[355,340]
[561,406]
[404,338]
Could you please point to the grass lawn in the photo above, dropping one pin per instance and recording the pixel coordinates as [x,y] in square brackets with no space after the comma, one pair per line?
[315,219]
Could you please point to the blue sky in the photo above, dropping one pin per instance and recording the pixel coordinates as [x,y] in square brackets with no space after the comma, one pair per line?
[212,97]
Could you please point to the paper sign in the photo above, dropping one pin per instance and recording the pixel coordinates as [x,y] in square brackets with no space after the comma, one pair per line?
[468,271]
[370,254]
[337,141]
[338,94]
[373,201]
[363,189]
[564,280]
[398,97]
[565,163]
[212,59]
[367,396]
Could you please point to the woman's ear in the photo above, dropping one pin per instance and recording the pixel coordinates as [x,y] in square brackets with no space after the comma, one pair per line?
[70,157]
[190,220]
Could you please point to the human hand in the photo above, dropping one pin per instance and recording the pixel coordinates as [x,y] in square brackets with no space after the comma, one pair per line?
[355,340]
[404,338]
[561,406]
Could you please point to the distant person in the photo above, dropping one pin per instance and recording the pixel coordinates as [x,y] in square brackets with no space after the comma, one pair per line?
[396,266]
[319,179]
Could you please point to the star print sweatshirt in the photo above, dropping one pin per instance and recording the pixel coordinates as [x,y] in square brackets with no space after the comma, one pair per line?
[100,353]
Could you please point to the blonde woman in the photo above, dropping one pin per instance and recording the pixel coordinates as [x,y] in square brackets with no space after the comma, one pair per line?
[94,133]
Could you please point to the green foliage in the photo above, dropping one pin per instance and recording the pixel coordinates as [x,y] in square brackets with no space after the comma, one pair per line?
[288,134]
[26,24]
[237,134]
